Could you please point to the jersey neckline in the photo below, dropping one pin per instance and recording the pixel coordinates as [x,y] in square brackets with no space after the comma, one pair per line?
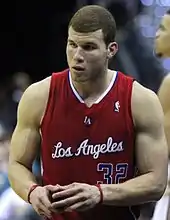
[76,94]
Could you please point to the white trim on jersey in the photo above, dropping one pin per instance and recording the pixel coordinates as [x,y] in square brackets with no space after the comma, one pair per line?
[102,95]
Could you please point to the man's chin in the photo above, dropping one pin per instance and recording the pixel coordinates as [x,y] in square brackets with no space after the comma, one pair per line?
[80,78]
[159,55]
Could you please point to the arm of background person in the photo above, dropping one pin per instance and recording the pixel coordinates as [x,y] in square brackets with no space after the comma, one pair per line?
[164,97]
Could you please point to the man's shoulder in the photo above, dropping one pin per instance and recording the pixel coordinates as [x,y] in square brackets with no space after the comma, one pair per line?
[142,94]
[43,84]
[33,102]
[145,103]
[38,89]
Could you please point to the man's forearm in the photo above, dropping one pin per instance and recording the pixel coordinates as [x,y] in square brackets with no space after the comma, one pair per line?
[136,191]
[21,179]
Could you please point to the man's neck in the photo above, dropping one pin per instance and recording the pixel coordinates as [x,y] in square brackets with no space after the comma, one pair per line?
[95,87]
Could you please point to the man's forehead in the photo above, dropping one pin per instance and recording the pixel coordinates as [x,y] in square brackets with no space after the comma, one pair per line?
[73,35]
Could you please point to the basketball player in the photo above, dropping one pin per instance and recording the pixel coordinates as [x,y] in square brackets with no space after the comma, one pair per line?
[162,49]
[95,126]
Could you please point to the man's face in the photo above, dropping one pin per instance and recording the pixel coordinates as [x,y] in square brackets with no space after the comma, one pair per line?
[162,41]
[87,54]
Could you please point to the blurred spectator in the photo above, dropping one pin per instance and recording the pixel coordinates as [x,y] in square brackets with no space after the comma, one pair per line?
[4,149]
[10,94]
[20,83]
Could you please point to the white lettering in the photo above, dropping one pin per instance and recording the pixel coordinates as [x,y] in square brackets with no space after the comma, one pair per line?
[61,152]
[87,149]
[83,146]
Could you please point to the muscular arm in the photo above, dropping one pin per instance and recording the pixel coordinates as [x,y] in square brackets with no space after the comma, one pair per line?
[163,94]
[25,142]
[151,154]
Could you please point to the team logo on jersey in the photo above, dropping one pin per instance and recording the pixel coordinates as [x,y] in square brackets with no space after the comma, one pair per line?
[87,149]
[117,106]
[87,120]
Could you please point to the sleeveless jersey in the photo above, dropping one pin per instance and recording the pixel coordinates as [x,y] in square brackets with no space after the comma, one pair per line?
[89,144]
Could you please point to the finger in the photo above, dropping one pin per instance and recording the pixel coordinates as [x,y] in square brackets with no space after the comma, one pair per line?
[67,202]
[80,206]
[73,184]
[42,210]
[55,188]
[45,203]
[46,198]
[65,193]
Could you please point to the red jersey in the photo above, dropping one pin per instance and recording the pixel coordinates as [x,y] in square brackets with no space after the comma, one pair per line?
[89,144]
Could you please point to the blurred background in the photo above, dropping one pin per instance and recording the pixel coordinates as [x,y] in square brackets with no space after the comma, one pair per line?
[32,46]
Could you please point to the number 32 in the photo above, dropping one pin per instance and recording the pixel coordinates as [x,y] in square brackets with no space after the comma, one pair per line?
[108,169]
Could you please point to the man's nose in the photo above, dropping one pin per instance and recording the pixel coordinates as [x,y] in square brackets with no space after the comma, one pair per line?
[78,56]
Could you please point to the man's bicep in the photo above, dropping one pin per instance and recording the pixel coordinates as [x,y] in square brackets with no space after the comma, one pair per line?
[151,153]
[26,138]
[24,145]
[151,145]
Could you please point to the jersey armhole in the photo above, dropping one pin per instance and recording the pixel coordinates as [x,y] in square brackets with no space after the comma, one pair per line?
[47,104]
[130,104]
[130,118]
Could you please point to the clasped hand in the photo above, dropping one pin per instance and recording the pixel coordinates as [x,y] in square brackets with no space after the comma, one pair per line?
[75,196]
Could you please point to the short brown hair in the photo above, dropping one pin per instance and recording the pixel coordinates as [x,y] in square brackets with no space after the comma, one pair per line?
[92,18]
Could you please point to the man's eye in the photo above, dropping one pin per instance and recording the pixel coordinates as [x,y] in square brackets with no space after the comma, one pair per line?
[88,47]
